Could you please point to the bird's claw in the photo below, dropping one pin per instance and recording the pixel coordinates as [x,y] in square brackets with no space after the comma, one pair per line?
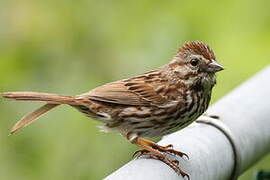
[139,153]
[169,146]
[183,174]
[178,153]
[169,149]
[172,163]
[175,162]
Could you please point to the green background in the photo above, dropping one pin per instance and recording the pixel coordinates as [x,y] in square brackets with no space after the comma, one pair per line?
[70,47]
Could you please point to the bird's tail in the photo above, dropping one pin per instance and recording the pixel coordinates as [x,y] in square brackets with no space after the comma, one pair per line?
[52,100]
[35,96]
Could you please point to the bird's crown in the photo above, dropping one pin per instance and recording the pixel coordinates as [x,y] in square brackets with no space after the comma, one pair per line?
[196,47]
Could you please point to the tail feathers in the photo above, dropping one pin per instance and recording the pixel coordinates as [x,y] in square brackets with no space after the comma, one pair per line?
[52,101]
[34,96]
[31,117]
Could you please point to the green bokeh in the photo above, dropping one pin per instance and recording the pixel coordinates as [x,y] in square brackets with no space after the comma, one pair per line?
[70,47]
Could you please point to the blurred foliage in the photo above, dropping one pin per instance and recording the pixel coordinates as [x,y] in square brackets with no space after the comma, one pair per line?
[70,47]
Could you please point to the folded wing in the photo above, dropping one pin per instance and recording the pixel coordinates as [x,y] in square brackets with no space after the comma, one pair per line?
[135,91]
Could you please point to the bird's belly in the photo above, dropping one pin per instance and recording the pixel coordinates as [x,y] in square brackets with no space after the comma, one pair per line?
[147,121]
[152,122]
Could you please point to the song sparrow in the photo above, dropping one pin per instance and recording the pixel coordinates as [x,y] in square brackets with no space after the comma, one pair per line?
[154,103]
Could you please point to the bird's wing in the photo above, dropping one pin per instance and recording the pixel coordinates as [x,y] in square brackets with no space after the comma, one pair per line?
[134,91]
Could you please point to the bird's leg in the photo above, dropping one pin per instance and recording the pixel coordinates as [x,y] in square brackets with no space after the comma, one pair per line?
[154,151]
[166,149]
[134,139]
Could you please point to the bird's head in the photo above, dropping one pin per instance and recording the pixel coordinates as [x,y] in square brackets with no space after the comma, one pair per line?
[196,59]
[198,56]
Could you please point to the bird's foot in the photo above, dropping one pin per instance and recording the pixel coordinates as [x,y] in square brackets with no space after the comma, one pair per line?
[173,163]
[164,149]
[169,149]
[155,151]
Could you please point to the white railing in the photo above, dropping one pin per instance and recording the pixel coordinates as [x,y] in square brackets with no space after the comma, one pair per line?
[218,149]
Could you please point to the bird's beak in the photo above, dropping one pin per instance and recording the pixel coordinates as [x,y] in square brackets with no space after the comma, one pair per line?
[214,67]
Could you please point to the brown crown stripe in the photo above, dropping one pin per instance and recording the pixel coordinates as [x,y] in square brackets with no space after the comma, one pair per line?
[197,47]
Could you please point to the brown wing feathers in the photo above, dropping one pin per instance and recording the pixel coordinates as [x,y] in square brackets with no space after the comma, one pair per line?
[133,91]
[116,93]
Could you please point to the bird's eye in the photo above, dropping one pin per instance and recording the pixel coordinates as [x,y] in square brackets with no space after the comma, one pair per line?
[194,62]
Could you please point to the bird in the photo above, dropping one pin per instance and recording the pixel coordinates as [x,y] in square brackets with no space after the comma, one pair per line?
[151,104]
